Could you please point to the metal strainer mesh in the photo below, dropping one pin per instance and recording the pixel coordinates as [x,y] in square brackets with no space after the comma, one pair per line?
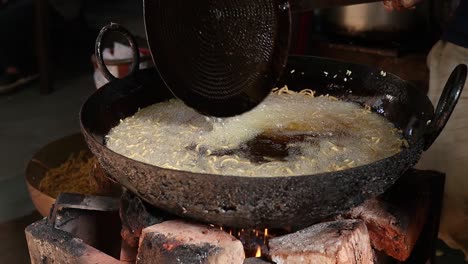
[221,57]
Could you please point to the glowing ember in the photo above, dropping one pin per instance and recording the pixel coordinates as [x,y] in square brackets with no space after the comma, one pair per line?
[169,246]
[255,241]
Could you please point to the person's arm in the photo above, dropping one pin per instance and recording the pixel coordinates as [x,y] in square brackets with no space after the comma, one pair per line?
[400,4]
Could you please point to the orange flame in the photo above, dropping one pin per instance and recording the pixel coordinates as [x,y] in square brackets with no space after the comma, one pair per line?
[265,236]
[258,254]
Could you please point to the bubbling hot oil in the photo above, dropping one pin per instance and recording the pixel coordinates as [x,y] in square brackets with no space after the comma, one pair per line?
[288,134]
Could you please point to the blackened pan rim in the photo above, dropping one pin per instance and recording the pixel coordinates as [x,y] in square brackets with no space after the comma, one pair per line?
[371,71]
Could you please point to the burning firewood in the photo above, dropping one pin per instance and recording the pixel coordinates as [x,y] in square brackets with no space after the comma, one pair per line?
[50,245]
[396,219]
[338,242]
[183,242]
[255,261]
[136,215]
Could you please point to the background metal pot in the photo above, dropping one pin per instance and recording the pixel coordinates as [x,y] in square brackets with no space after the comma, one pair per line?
[372,20]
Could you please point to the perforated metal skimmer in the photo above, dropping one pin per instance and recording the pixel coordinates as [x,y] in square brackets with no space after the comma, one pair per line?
[221,57]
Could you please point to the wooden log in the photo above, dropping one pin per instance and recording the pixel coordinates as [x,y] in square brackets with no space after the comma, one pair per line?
[183,242]
[395,220]
[255,261]
[50,245]
[136,215]
[338,242]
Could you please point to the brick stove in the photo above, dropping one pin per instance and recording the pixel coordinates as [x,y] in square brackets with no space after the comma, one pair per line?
[399,226]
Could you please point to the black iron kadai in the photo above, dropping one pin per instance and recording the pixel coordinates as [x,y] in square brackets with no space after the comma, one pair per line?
[272,202]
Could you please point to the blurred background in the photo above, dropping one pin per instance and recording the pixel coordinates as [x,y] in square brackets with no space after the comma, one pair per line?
[57,39]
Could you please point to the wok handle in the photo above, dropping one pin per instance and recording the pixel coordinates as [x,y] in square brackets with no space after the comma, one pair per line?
[447,102]
[114,27]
